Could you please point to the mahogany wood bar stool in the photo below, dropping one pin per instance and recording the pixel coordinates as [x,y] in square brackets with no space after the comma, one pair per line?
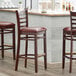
[69,33]
[33,34]
[7,28]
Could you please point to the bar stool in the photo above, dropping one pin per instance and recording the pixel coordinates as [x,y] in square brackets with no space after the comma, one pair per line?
[32,34]
[69,33]
[7,28]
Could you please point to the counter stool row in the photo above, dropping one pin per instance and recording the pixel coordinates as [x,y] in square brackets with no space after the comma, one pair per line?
[69,33]
[7,28]
[24,33]
[33,34]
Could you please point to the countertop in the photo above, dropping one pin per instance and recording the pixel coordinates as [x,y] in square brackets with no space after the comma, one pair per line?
[8,10]
[36,12]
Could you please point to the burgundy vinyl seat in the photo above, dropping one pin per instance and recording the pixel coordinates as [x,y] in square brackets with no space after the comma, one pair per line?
[7,28]
[69,33]
[67,30]
[4,23]
[33,29]
[33,34]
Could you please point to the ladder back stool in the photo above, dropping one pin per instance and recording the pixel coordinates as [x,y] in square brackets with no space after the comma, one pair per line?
[7,28]
[69,33]
[30,33]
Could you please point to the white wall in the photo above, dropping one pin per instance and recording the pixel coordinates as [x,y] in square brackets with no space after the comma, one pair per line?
[35,3]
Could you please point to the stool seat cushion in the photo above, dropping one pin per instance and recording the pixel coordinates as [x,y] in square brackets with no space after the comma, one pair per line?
[67,30]
[3,23]
[33,29]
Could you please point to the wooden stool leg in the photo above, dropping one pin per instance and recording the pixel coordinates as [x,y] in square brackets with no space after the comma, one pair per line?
[63,55]
[18,51]
[2,42]
[26,49]
[36,59]
[45,57]
[70,70]
[14,43]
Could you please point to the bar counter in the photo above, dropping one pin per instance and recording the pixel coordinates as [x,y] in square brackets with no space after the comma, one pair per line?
[36,12]
[8,10]
[54,22]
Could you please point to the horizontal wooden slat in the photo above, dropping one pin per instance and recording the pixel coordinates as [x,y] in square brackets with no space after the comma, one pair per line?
[70,57]
[74,23]
[23,18]
[41,55]
[22,21]
[23,56]
[30,38]
[6,32]
[73,19]
[6,48]
[26,57]
[8,45]
[70,39]
[74,53]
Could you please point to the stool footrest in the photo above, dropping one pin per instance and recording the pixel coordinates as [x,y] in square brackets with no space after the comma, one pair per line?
[41,55]
[31,38]
[23,56]
[26,57]
[7,47]
[70,58]
[74,53]
[7,31]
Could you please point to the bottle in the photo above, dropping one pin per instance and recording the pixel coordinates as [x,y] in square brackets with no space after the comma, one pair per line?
[63,6]
[72,7]
[66,6]
[69,6]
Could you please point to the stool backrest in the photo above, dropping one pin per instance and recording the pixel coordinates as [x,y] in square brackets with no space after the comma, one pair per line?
[73,20]
[22,18]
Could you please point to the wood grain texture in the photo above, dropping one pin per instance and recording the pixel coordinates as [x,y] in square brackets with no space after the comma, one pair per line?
[54,69]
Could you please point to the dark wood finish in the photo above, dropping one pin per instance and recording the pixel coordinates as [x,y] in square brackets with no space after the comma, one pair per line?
[2,43]
[45,56]
[26,49]
[7,28]
[69,33]
[33,34]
